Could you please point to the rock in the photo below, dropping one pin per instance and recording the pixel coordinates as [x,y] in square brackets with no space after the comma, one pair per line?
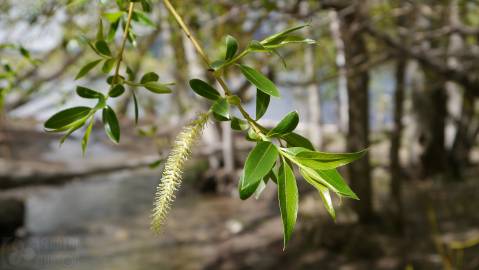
[12,217]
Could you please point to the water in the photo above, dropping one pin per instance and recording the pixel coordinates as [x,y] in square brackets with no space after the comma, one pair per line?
[103,223]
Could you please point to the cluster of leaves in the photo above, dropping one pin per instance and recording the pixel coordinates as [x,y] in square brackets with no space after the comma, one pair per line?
[72,119]
[9,72]
[278,149]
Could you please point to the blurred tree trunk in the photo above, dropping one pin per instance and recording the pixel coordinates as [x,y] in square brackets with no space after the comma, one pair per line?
[432,112]
[314,102]
[465,136]
[340,64]
[396,135]
[358,129]
[461,108]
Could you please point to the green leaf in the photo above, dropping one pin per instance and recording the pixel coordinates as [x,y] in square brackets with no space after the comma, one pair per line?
[323,160]
[142,18]
[262,103]
[286,125]
[146,5]
[72,128]
[99,33]
[246,192]
[323,192]
[149,77]
[291,39]
[256,46]
[131,74]
[24,52]
[135,103]
[112,127]
[86,68]
[238,124]
[295,140]
[258,163]
[86,136]
[252,136]
[112,31]
[88,93]
[157,88]
[115,79]
[331,179]
[114,16]
[288,200]
[66,117]
[108,65]
[203,89]
[278,37]
[261,187]
[221,109]
[259,80]
[116,91]
[103,48]
[231,47]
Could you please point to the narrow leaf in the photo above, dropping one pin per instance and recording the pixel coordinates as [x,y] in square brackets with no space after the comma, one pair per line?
[262,103]
[333,180]
[103,48]
[259,162]
[231,47]
[135,103]
[157,88]
[66,117]
[149,77]
[99,33]
[221,109]
[238,124]
[256,46]
[246,192]
[116,91]
[286,125]
[259,80]
[324,160]
[323,192]
[108,65]
[88,93]
[142,18]
[86,136]
[288,200]
[278,37]
[203,89]
[86,68]
[112,127]
[114,16]
[295,140]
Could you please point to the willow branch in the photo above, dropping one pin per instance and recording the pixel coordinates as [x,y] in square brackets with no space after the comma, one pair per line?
[257,127]
[123,42]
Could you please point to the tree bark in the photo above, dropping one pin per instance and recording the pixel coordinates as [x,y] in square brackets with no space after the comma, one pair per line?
[430,104]
[396,135]
[358,127]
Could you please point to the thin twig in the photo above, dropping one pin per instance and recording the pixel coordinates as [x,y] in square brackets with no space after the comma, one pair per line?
[123,42]
[257,127]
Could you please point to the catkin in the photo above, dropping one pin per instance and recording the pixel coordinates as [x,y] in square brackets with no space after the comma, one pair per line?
[172,173]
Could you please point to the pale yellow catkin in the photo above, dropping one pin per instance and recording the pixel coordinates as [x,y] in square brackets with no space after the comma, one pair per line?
[172,173]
